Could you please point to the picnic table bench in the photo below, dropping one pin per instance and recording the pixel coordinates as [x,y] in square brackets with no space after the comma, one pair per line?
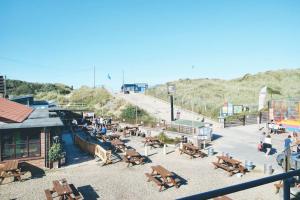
[191,150]
[10,169]
[152,141]
[133,157]
[63,190]
[162,177]
[118,145]
[230,165]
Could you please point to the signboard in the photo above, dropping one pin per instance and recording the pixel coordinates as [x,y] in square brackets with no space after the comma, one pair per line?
[237,109]
[171,89]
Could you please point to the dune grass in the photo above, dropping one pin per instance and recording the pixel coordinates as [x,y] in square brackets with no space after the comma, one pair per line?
[208,95]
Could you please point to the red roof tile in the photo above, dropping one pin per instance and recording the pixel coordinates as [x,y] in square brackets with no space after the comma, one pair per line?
[11,112]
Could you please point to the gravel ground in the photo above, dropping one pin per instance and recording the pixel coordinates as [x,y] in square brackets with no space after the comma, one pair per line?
[117,181]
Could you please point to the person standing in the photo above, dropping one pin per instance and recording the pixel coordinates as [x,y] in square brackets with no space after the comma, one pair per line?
[287,142]
[101,120]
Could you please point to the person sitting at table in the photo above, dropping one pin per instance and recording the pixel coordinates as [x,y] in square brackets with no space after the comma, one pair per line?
[103,130]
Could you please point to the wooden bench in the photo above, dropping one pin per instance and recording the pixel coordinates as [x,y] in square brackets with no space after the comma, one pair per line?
[48,194]
[155,180]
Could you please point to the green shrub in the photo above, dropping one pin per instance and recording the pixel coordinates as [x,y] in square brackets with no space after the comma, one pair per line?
[132,114]
[55,152]
[165,139]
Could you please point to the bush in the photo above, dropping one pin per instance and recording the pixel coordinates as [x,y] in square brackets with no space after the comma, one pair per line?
[165,139]
[130,113]
[55,152]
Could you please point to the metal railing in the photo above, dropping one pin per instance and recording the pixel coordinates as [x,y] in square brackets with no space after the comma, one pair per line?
[248,185]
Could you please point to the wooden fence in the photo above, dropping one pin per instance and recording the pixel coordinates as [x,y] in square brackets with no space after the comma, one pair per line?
[93,149]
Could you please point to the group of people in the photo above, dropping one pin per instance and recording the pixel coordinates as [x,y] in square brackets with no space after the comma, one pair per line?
[266,143]
[98,124]
[274,128]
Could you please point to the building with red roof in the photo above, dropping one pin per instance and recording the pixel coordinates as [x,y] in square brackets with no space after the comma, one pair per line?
[26,133]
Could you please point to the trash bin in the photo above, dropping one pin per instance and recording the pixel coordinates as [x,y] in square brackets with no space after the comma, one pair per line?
[248,165]
[268,169]
[210,151]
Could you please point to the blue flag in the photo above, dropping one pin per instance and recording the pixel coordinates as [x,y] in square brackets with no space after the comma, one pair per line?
[108,76]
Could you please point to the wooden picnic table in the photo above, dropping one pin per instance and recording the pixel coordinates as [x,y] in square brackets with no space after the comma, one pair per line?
[63,190]
[133,157]
[230,165]
[118,145]
[10,169]
[152,141]
[162,177]
[191,150]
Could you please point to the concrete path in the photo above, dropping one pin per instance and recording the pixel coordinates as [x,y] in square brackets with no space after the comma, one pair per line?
[161,109]
[74,154]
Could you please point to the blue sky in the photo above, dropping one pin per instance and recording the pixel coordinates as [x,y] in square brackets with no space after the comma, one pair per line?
[152,41]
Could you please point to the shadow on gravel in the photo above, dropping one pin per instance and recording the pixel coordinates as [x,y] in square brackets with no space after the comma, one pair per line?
[152,154]
[181,181]
[35,171]
[88,192]
[147,160]
[216,136]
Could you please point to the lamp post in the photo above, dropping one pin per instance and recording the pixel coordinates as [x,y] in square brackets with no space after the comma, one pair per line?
[171,92]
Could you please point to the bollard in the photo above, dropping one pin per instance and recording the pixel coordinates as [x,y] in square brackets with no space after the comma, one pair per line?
[146,150]
[165,149]
[181,145]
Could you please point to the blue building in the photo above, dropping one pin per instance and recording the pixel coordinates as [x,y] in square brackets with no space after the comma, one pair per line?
[135,87]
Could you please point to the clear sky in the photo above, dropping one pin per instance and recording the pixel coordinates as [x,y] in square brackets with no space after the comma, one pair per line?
[153,41]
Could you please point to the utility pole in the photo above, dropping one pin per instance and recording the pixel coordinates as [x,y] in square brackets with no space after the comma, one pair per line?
[94,77]
[172,107]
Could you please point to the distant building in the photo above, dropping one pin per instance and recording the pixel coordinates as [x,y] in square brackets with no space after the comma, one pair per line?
[135,87]
[29,101]
[26,134]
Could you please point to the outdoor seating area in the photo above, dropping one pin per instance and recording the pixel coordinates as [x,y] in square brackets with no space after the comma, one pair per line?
[230,165]
[162,177]
[62,190]
[11,169]
[191,150]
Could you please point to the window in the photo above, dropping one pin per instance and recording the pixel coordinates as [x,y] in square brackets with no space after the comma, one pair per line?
[21,144]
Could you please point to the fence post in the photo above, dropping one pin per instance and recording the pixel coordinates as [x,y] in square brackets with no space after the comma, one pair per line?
[224,122]
[260,116]
[286,189]
[244,120]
